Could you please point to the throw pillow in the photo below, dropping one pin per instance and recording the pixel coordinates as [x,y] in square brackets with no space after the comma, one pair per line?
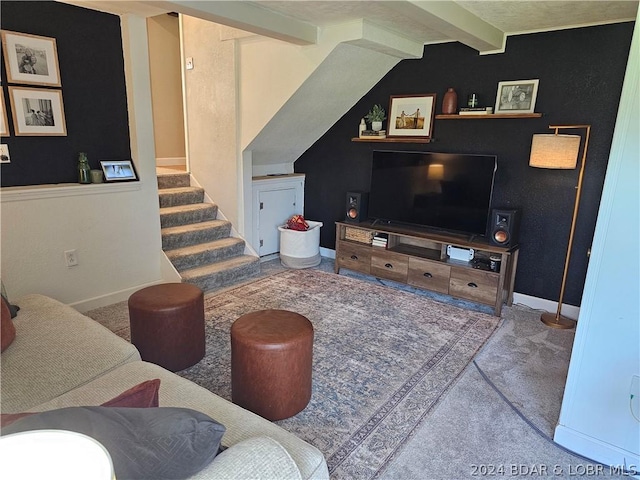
[12,308]
[144,443]
[143,395]
[7,328]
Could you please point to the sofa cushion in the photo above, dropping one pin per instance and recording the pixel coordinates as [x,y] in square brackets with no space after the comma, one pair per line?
[144,443]
[255,458]
[7,328]
[56,349]
[143,395]
[179,392]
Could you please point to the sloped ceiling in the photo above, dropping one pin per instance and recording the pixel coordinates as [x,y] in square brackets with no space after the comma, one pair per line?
[401,29]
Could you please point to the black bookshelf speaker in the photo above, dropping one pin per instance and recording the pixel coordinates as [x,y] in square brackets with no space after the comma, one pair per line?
[356,207]
[503,228]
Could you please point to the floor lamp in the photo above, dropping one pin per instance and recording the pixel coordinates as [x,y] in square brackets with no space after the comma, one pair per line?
[561,152]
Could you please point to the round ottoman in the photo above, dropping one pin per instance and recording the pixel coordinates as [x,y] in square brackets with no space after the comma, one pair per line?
[271,357]
[167,324]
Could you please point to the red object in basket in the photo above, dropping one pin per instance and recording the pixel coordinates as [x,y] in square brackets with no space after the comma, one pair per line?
[297,222]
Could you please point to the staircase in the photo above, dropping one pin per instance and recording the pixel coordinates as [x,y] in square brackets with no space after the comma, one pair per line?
[198,244]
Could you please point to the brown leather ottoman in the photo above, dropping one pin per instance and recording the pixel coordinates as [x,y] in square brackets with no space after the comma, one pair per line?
[167,324]
[271,358]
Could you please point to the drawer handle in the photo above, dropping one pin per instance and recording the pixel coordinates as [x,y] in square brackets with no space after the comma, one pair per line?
[472,285]
[388,265]
[354,257]
[428,275]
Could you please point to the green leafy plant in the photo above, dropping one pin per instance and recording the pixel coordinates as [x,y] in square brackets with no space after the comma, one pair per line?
[376,114]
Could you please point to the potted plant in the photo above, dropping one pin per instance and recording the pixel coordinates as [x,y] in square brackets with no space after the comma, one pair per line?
[375,116]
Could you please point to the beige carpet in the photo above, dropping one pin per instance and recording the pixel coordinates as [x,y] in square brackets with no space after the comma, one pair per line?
[383,359]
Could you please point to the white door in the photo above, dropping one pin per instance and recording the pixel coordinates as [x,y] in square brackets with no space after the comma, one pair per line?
[275,208]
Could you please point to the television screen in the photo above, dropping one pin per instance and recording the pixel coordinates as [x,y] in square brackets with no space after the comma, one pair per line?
[443,191]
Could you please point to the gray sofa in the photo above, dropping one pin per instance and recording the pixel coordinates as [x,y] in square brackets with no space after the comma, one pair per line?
[61,358]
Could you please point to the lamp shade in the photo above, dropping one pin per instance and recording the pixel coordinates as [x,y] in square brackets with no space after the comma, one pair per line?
[554,151]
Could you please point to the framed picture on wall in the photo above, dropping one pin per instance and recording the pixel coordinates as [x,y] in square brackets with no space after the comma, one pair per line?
[4,123]
[516,96]
[4,154]
[411,115]
[118,170]
[30,59]
[37,112]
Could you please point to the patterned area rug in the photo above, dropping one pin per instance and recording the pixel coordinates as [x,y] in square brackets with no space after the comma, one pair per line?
[383,359]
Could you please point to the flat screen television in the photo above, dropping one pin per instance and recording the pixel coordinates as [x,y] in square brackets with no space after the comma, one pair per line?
[442,191]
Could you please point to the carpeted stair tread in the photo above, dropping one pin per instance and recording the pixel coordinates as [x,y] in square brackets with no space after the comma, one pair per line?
[186,235]
[171,180]
[172,197]
[185,214]
[221,274]
[205,253]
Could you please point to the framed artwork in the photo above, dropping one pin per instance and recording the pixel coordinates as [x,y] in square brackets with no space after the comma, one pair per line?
[411,115]
[517,96]
[4,123]
[37,112]
[30,59]
[118,170]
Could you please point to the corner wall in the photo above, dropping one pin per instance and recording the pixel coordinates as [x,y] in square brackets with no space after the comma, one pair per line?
[115,229]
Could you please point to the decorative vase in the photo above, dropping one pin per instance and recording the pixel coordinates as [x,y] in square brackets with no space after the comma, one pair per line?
[450,102]
[83,168]
[376,126]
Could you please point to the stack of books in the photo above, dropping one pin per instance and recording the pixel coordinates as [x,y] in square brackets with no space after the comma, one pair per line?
[373,133]
[476,111]
[380,240]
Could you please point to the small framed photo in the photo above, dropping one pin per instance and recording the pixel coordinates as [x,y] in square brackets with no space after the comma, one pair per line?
[517,96]
[30,59]
[37,111]
[4,123]
[411,115]
[4,154]
[118,170]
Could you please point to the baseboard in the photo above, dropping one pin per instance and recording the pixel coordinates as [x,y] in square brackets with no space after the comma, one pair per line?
[615,459]
[327,252]
[170,161]
[536,303]
[110,298]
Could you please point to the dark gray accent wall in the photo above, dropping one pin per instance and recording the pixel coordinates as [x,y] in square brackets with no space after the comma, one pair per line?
[581,73]
[90,57]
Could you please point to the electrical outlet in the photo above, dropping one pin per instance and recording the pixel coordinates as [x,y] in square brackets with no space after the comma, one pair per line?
[189,63]
[71,257]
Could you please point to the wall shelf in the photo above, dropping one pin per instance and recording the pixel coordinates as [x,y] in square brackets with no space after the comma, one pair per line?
[488,116]
[392,140]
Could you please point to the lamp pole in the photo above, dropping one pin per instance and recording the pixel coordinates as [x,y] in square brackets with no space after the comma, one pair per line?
[557,320]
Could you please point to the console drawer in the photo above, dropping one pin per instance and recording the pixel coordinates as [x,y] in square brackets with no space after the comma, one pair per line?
[391,265]
[429,274]
[476,285]
[354,257]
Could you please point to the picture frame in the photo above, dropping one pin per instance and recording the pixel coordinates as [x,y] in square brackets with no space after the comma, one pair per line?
[30,59]
[4,122]
[518,96]
[37,112]
[411,115]
[118,170]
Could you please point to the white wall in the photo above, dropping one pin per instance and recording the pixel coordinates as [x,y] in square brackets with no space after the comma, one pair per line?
[596,419]
[211,112]
[166,89]
[114,228]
